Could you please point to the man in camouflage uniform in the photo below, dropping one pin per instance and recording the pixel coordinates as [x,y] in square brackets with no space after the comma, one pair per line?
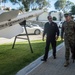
[68,29]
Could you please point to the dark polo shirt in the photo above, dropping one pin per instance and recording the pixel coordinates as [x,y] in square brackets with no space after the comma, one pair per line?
[51,30]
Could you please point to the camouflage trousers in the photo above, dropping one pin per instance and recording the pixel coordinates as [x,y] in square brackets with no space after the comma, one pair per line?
[68,48]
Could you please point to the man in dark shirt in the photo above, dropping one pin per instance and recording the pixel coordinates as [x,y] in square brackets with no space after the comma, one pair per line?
[52,32]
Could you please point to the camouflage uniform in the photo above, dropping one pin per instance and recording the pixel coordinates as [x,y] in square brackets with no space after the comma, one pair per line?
[68,28]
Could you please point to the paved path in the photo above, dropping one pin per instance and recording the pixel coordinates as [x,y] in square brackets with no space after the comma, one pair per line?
[51,67]
[55,66]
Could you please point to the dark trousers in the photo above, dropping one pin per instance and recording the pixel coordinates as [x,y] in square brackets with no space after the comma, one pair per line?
[53,44]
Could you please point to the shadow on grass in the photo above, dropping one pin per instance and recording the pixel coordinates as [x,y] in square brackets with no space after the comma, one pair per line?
[12,60]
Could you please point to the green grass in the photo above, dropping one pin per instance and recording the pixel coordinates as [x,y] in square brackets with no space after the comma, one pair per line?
[12,60]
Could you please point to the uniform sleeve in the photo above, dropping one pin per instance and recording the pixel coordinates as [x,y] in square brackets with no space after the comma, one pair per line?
[74,26]
[44,32]
[62,30]
[57,30]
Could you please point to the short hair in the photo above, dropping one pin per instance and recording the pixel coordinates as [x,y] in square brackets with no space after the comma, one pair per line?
[49,16]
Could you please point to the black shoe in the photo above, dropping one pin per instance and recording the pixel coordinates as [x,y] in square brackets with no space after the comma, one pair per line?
[43,60]
[73,60]
[54,57]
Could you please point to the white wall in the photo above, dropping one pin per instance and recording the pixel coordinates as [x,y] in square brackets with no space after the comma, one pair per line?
[55,14]
[43,16]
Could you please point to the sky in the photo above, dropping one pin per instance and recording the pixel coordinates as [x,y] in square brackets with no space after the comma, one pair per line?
[17,6]
[9,4]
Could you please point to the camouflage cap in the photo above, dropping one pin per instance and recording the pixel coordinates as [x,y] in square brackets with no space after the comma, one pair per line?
[68,14]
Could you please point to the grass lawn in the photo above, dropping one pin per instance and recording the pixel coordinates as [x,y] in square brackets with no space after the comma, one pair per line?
[12,60]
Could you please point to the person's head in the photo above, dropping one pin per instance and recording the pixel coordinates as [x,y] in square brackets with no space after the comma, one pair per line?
[68,17]
[49,18]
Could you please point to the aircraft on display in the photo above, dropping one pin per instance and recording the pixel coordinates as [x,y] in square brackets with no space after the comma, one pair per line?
[10,22]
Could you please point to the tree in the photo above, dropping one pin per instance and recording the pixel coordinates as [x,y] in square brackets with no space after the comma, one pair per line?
[42,3]
[73,10]
[8,9]
[59,4]
[54,18]
[26,3]
[3,1]
[68,6]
